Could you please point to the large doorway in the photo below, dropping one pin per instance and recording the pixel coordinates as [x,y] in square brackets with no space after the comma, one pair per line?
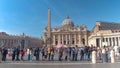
[97,42]
[83,41]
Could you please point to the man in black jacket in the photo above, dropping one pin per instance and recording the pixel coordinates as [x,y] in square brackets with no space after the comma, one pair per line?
[17,54]
[4,53]
[36,53]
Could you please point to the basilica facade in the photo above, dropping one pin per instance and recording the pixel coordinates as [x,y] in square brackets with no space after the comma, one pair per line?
[102,34]
[66,34]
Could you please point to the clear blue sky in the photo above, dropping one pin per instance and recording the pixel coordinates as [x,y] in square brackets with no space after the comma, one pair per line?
[30,16]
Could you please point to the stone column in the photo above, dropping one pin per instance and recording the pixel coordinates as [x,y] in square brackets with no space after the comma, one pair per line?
[80,40]
[105,41]
[118,41]
[66,39]
[93,56]
[100,42]
[54,40]
[75,39]
[86,40]
[19,41]
[62,39]
[26,44]
[115,40]
[69,39]
[109,41]
[112,41]
[0,57]
[112,55]
[59,38]
[3,42]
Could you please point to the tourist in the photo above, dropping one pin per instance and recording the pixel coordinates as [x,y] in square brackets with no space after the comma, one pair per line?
[89,52]
[116,49]
[37,53]
[9,52]
[76,52]
[104,58]
[81,53]
[13,53]
[60,54]
[28,54]
[22,54]
[99,53]
[17,54]
[43,51]
[31,54]
[4,53]
[52,53]
[0,55]
[73,53]
[49,53]
[69,49]
[45,54]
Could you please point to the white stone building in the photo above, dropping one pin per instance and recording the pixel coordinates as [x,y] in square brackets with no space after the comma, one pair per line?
[105,33]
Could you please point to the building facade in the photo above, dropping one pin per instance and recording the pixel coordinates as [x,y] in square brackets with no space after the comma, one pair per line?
[21,41]
[67,33]
[105,34]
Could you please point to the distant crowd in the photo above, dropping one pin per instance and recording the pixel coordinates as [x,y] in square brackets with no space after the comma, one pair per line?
[64,53]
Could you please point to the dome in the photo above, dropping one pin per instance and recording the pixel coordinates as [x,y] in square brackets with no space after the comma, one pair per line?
[67,22]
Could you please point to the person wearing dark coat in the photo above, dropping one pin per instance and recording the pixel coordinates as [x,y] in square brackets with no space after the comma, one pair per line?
[4,53]
[13,54]
[37,53]
[17,54]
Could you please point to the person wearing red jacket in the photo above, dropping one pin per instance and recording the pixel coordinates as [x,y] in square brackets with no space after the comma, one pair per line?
[22,54]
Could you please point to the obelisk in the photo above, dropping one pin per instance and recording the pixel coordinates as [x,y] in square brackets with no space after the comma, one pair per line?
[49,28]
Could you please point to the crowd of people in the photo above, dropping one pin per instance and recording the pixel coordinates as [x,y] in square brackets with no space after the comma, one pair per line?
[64,53]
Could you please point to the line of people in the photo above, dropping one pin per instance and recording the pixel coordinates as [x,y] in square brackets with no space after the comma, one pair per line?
[49,53]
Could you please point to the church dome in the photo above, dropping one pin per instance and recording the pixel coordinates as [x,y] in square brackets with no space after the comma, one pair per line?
[67,22]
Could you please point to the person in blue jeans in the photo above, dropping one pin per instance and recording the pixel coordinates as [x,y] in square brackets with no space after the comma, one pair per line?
[76,52]
[104,55]
[31,54]
[73,54]
[60,54]
[82,54]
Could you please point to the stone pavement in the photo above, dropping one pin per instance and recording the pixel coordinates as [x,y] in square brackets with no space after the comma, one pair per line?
[9,60]
[56,61]
[59,65]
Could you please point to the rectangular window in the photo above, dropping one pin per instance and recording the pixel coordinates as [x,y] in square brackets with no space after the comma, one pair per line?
[103,40]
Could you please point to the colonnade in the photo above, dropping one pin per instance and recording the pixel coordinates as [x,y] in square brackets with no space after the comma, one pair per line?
[109,41]
[68,39]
